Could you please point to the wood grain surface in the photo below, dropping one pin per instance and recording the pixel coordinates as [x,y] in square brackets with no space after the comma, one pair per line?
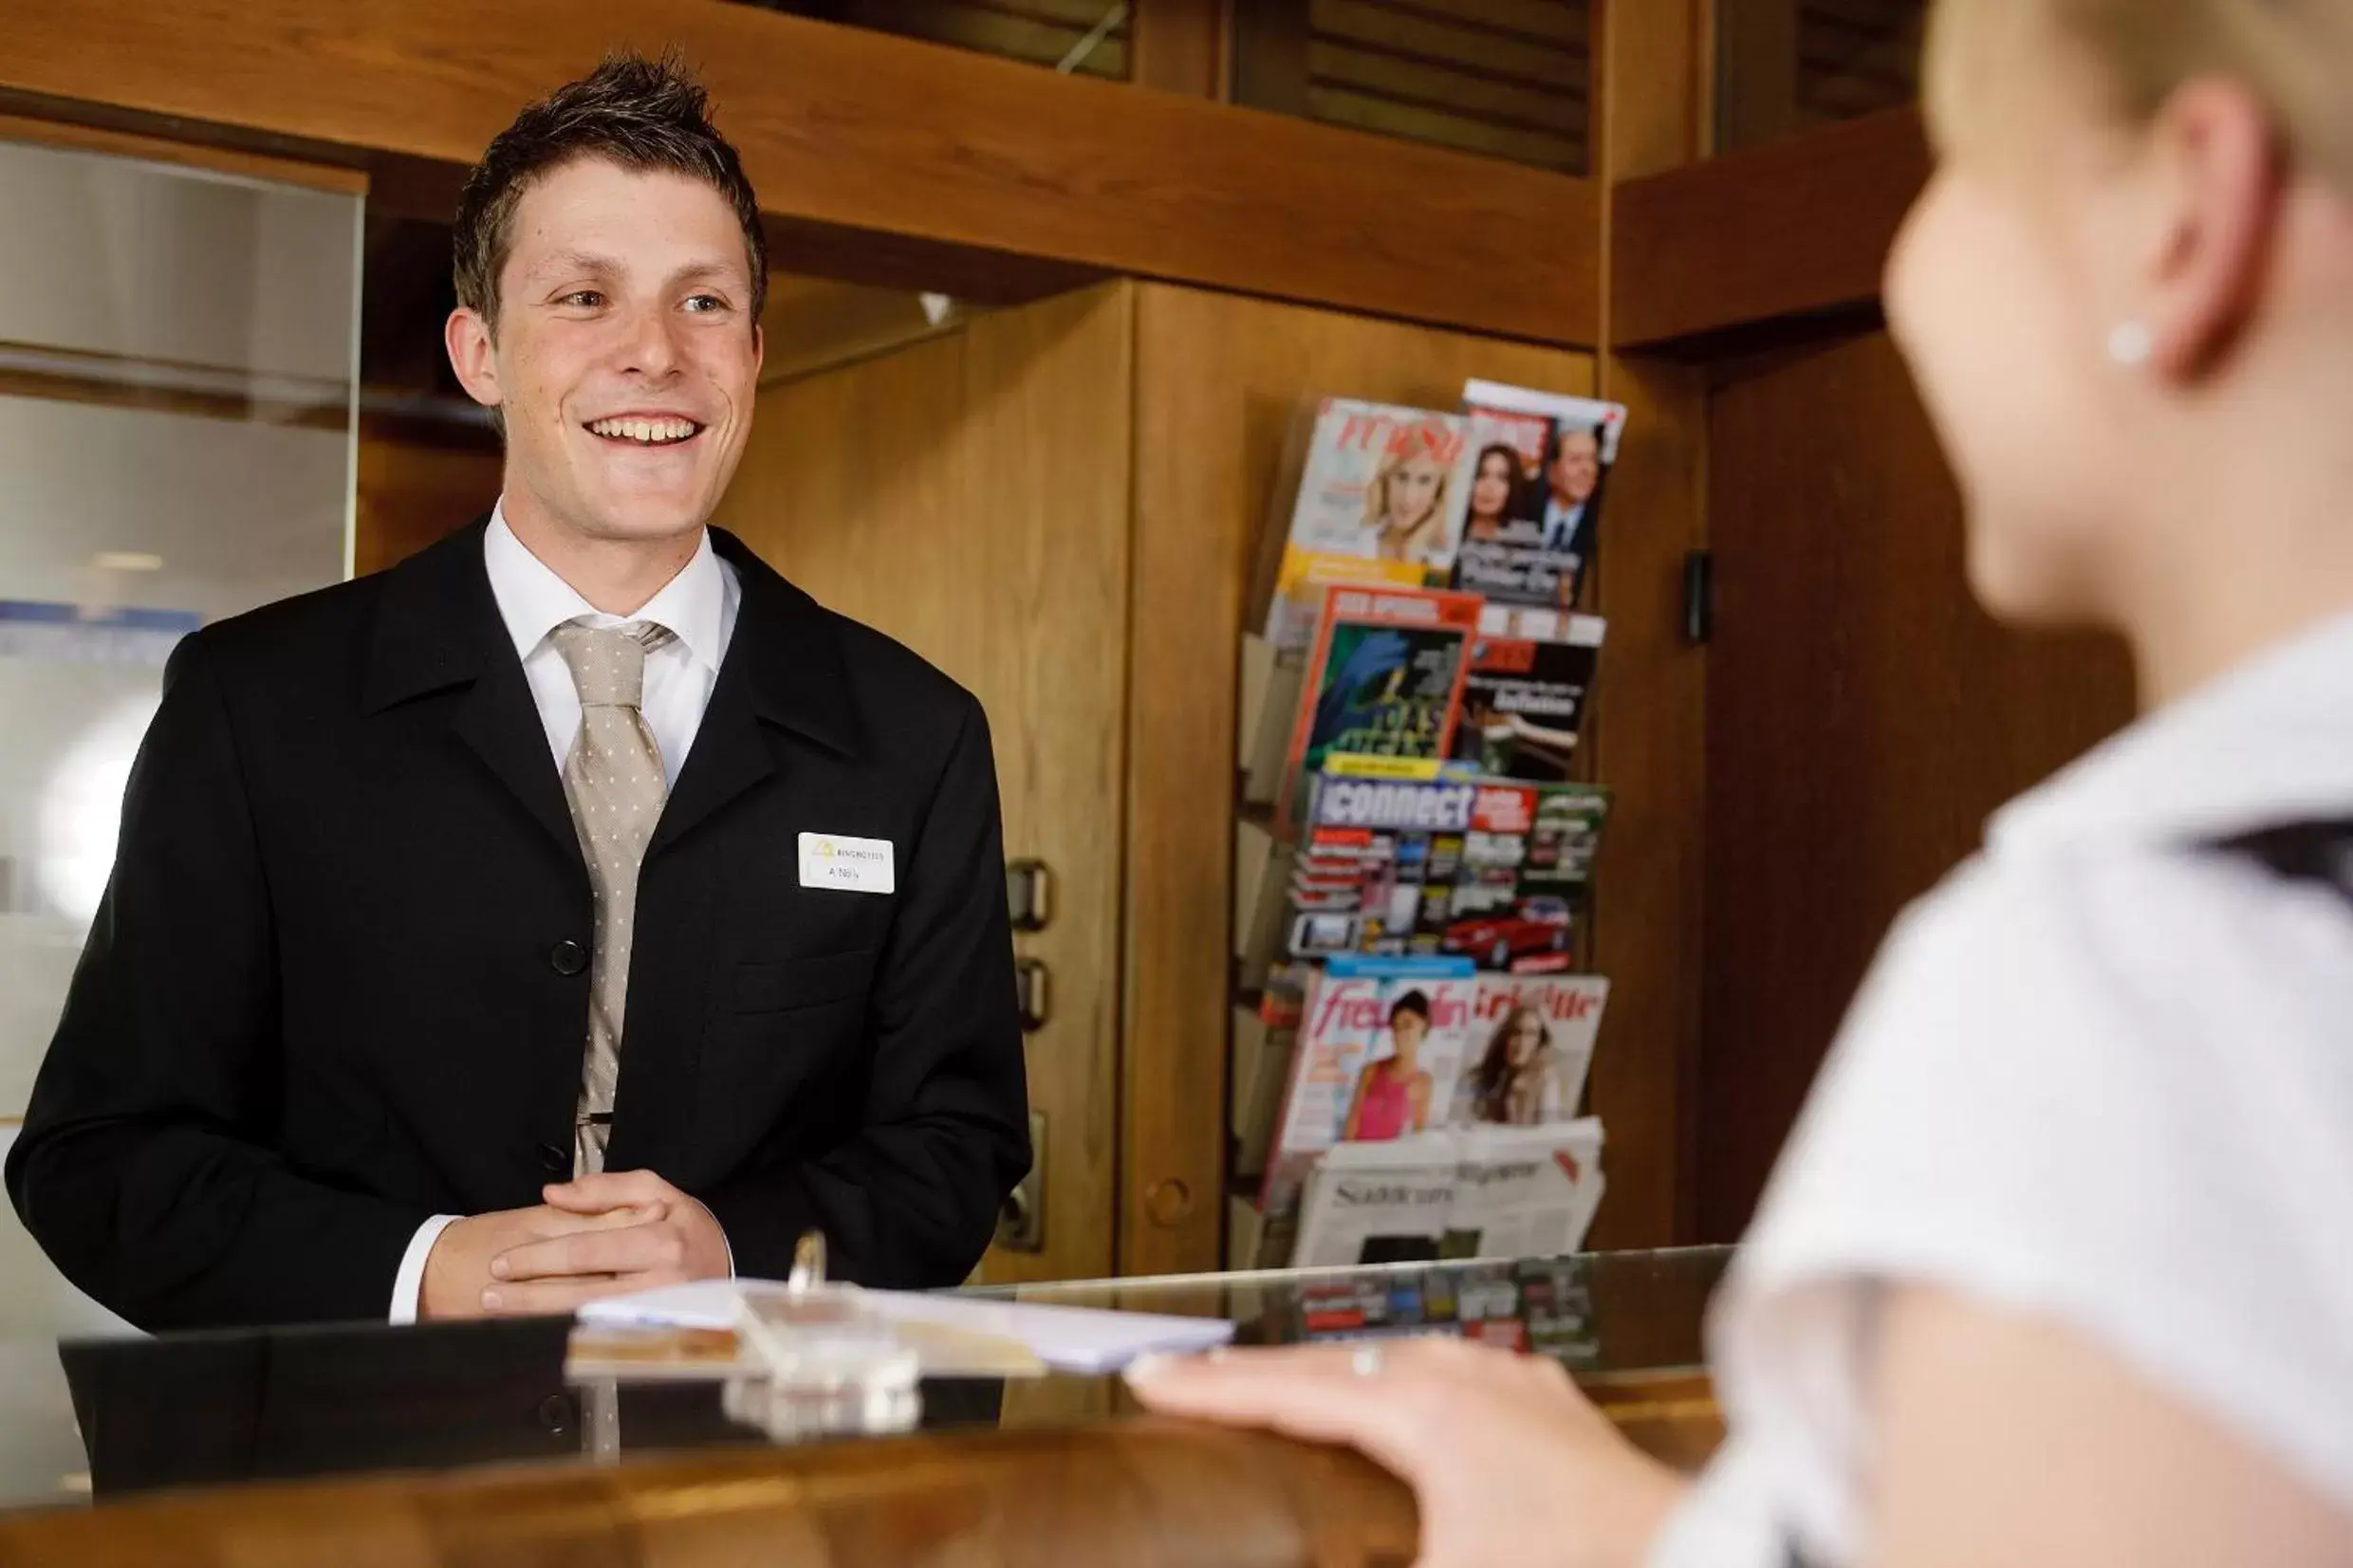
[1141,1491]
[854,132]
[1219,381]
[1864,716]
[1792,229]
[968,495]
[1648,727]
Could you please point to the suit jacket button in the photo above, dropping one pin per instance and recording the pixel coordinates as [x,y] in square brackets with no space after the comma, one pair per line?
[556,1162]
[567,957]
[555,1414]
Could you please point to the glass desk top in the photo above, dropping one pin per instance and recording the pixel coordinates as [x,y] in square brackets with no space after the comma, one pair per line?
[103,1419]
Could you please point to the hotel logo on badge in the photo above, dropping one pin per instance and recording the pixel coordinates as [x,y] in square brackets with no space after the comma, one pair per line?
[846,864]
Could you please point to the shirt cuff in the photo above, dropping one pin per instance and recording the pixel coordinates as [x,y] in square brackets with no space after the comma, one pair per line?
[410,1283]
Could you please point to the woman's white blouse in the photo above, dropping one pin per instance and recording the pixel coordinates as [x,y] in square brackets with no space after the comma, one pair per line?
[2103,1073]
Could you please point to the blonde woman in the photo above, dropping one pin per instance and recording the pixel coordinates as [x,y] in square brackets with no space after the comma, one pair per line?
[1405,503]
[2056,1271]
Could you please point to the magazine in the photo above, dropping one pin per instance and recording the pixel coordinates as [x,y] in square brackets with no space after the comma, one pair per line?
[1540,1304]
[1532,1047]
[1492,870]
[1539,470]
[1485,1192]
[1381,499]
[1370,853]
[1384,681]
[1563,839]
[1525,870]
[1523,698]
[1380,1048]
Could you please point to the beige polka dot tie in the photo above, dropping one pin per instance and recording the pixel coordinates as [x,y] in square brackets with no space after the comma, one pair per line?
[614,782]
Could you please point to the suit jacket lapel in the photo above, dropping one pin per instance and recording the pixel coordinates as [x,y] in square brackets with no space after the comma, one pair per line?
[437,627]
[783,666]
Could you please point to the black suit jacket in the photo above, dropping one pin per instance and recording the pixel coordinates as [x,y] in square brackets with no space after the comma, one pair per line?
[336,985]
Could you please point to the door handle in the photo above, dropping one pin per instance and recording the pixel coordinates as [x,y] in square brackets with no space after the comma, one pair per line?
[1032,989]
[1020,1220]
[1029,894]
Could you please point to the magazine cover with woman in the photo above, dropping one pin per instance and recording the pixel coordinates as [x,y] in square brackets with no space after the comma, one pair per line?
[1539,467]
[1381,499]
[1380,1047]
[1531,1046]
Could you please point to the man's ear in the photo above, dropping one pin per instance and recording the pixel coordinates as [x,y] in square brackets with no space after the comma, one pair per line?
[759,350]
[472,356]
[2221,174]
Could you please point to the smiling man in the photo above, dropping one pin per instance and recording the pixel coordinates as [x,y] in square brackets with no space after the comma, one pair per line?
[576,908]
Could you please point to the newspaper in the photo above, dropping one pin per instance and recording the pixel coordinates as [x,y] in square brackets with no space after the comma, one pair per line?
[1480,1193]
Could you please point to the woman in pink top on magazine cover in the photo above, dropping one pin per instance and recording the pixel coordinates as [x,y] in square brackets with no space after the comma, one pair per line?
[1393,1095]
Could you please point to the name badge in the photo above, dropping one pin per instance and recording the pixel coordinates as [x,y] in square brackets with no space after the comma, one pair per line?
[845,864]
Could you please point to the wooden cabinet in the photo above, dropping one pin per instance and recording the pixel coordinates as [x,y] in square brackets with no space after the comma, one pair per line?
[969,495]
[1863,718]
[1056,504]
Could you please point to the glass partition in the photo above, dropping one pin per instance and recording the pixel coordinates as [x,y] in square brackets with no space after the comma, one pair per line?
[118,1415]
[177,395]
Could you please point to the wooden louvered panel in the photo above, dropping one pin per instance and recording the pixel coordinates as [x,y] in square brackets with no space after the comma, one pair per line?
[1855,57]
[1419,31]
[1040,33]
[1560,22]
[1872,15]
[1548,111]
[1506,78]
[1825,52]
[1337,107]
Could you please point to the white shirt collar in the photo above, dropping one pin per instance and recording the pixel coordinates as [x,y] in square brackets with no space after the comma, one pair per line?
[2268,743]
[533,600]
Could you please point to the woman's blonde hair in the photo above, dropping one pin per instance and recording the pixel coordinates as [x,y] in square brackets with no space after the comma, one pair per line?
[2296,55]
[1376,491]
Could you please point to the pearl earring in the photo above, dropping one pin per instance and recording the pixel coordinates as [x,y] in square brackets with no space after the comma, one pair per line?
[2131,344]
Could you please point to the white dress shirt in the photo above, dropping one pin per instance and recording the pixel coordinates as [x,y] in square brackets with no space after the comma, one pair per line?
[2100,1076]
[1560,521]
[697,607]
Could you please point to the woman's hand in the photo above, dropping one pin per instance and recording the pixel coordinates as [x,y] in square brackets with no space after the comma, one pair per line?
[1511,1465]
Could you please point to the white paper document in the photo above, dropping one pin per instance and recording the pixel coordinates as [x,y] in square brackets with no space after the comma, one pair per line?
[1073,1339]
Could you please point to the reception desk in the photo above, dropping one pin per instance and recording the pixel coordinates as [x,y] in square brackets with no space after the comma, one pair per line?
[487,1443]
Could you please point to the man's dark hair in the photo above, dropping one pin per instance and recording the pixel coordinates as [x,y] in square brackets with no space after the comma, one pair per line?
[642,114]
[1412,1002]
[1559,438]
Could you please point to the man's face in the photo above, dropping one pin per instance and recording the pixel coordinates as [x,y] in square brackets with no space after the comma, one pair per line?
[625,360]
[1577,466]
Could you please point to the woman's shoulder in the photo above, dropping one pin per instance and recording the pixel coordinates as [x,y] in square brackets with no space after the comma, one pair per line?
[2101,1065]
[2111,932]
[2110,1088]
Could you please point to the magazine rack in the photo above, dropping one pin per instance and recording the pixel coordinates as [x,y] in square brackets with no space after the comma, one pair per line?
[1443,554]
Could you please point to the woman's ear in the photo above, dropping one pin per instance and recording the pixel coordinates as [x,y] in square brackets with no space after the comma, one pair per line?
[2218,170]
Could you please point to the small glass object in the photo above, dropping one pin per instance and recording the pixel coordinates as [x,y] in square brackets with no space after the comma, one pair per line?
[827,1364]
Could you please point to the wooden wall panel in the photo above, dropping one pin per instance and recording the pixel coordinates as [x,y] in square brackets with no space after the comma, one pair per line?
[856,135]
[1182,47]
[1648,727]
[969,496]
[1796,228]
[1863,718]
[410,493]
[1218,381]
